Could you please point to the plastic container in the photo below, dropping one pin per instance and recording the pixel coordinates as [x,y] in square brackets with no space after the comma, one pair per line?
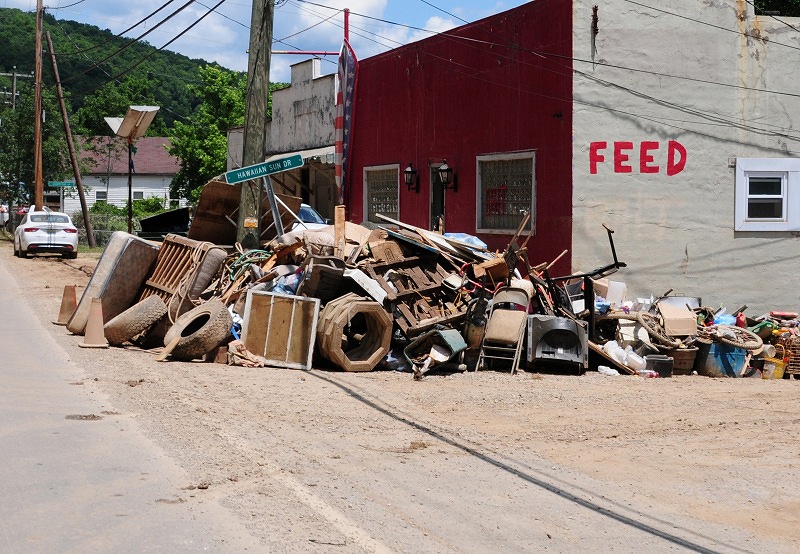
[774,367]
[660,363]
[647,373]
[721,360]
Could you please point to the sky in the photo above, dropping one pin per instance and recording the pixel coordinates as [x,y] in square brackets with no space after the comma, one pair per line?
[223,35]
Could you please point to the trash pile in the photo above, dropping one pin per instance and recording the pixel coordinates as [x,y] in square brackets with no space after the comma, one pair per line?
[395,296]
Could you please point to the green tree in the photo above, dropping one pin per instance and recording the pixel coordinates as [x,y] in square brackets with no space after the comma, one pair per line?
[17,148]
[113,100]
[201,144]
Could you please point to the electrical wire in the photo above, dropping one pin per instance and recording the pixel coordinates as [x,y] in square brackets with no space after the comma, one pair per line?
[131,43]
[113,37]
[152,53]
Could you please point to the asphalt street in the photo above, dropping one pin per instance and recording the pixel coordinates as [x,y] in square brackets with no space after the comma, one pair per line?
[78,476]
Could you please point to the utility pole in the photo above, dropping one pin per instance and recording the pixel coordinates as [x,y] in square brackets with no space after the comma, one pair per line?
[14,76]
[255,121]
[72,156]
[37,123]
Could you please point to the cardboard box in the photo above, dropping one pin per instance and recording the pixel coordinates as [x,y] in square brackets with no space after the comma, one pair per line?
[679,321]
[600,287]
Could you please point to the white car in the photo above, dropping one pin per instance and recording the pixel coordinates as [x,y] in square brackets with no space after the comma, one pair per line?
[309,219]
[46,231]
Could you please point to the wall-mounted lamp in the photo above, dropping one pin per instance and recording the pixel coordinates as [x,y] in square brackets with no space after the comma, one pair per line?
[411,178]
[446,176]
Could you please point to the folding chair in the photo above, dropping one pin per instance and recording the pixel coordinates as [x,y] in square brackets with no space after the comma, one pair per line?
[505,328]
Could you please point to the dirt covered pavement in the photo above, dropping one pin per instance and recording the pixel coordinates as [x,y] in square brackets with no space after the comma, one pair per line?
[321,461]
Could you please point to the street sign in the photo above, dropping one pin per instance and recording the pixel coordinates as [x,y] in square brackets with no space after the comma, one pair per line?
[263,169]
[56,184]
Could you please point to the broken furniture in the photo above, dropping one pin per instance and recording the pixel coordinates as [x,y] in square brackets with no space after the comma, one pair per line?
[354,333]
[323,278]
[558,340]
[505,328]
[434,349]
[416,294]
[215,218]
[117,279]
[184,268]
[281,328]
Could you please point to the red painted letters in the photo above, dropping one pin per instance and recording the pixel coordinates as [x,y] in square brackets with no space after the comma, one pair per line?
[675,163]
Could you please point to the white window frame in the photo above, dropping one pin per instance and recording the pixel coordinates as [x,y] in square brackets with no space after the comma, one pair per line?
[788,170]
[366,170]
[527,154]
[105,192]
[139,192]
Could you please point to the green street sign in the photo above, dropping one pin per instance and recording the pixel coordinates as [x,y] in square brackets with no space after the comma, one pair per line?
[57,184]
[265,168]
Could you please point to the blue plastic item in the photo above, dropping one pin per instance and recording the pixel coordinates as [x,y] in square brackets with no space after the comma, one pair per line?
[468,239]
[720,360]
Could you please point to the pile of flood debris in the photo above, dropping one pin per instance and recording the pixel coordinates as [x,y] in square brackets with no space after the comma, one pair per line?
[394,296]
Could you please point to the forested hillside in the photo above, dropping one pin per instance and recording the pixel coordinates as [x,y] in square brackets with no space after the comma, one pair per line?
[89,57]
[102,75]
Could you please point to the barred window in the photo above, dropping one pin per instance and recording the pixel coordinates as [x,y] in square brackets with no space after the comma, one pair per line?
[506,189]
[382,192]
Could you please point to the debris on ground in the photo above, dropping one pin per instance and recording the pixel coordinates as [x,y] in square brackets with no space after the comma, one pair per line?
[392,295]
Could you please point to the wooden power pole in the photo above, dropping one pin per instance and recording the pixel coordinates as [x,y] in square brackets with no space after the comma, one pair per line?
[73,158]
[255,120]
[38,188]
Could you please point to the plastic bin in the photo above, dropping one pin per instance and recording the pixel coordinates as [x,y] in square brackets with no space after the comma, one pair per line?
[721,360]
[660,363]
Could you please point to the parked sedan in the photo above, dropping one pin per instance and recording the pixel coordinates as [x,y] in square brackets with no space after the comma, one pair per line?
[46,231]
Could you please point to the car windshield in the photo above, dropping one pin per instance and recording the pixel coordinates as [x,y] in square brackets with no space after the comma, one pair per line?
[48,218]
[309,215]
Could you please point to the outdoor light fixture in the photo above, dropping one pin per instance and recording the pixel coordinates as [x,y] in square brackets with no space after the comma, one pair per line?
[446,176]
[411,178]
[133,126]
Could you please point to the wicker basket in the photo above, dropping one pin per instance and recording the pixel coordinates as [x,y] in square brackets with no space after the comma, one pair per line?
[792,346]
[683,360]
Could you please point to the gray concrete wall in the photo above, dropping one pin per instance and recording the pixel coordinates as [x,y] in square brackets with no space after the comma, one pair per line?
[678,231]
[302,114]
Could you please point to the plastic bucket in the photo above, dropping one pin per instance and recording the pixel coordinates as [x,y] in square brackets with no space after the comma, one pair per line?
[773,368]
[721,360]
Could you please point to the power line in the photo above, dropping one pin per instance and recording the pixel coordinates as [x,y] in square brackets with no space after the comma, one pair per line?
[131,43]
[151,54]
[118,35]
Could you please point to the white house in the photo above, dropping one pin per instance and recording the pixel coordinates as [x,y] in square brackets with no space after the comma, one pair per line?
[106,179]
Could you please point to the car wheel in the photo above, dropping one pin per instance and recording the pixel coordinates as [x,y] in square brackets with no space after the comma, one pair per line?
[134,320]
[23,253]
[69,255]
[200,330]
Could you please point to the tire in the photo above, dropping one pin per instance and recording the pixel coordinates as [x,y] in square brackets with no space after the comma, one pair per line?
[22,253]
[134,320]
[70,255]
[745,339]
[200,330]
